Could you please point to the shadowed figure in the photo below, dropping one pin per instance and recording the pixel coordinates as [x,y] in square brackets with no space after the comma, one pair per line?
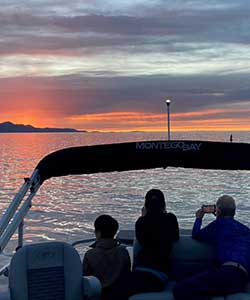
[232,242]
[155,230]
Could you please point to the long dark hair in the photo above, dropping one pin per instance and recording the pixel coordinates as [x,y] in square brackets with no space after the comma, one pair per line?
[155,201]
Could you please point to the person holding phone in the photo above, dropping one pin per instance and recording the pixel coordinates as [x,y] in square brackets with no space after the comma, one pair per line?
[232,243]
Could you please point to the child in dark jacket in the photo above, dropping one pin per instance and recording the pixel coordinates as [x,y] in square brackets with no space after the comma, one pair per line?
[108,260]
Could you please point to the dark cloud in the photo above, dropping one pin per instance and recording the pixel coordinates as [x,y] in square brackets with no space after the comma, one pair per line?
[70,45]
[228,25]
[82,95]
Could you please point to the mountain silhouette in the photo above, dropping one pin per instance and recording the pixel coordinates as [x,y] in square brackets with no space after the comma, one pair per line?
[11,127]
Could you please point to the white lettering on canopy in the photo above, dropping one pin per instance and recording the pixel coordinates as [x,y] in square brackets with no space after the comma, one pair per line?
[168,145]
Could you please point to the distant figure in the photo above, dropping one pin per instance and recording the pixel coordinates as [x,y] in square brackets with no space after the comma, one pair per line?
[232,243]
[155,231]
[108,260]
[231,138]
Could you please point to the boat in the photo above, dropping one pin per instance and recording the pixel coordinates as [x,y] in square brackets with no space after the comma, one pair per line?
[101,159]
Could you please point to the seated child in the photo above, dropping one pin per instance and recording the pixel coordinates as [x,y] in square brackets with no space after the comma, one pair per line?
[108,260]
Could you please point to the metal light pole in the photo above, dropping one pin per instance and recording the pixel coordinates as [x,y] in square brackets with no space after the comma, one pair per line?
[168,111]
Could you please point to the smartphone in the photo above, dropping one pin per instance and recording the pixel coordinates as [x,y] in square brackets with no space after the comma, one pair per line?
[209,209]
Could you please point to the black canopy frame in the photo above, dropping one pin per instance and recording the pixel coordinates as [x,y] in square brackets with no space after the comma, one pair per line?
[145,155]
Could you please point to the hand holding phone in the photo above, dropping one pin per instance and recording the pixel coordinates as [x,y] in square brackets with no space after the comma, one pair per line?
[199,214]
[209,209]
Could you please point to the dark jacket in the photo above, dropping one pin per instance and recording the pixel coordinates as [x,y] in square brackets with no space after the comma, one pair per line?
[108,261]
[156,233]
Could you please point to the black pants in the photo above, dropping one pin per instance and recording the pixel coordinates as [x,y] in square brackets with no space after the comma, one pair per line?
[214,282]
[145,282]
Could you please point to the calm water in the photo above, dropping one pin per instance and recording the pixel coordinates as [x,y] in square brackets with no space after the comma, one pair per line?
[66,207]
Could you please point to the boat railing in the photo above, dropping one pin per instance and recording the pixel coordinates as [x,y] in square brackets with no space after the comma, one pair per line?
[124,236]
[4,270]
[124,241]
[13,217]
[85,241]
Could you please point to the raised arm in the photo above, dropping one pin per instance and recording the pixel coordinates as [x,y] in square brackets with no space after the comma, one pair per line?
[206,234]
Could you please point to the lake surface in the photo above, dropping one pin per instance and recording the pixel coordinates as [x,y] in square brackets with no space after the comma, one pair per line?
[66,207]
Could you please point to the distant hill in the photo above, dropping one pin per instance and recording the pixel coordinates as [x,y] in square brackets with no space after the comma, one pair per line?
[10,127]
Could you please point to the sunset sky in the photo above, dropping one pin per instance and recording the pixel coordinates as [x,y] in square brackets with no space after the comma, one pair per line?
[109,65]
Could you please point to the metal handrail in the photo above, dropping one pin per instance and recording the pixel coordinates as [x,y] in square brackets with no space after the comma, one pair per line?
[13,218]
[9,213]
[125,241]
[18,218]
[4,270]
[85,241]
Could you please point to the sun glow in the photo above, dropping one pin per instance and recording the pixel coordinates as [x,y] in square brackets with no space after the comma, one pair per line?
[207,120]
[36,118]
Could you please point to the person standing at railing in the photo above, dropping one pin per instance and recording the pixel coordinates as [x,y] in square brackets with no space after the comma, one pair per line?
[231,240]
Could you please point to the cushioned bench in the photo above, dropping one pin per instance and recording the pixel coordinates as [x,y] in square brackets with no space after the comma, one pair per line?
[189,257]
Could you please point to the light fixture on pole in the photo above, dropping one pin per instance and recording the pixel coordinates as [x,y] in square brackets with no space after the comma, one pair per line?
[168,101]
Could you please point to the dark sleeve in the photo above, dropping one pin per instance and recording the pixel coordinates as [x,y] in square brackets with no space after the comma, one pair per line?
[128,260]
[86,270]
[140,232]
[196,228]
[206,234]
[174,226]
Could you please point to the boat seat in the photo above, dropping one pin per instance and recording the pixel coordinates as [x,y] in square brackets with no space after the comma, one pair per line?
[50,271]
[188,257]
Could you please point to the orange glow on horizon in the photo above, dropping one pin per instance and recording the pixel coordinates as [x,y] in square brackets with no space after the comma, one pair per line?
[206,120]
[34,117]
[138,121]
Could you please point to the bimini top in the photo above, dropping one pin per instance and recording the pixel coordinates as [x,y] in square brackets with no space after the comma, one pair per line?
[145,155]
